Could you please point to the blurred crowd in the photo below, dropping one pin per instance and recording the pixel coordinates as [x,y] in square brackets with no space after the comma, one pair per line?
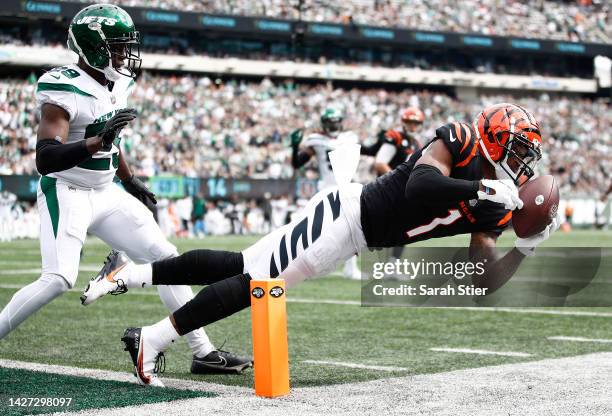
[197,126]
[581,20]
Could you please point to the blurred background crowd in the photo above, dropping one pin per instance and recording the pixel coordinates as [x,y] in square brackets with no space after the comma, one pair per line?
[195,126]
[584,20]
[217,126]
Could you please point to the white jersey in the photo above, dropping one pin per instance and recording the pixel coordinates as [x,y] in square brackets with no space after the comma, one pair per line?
[7,200]
[322,145]
[89,105]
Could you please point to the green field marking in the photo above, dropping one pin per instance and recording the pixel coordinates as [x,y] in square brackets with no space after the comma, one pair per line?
[86,393]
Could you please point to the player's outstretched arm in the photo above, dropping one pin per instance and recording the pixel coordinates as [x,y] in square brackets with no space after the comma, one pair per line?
[498,270]
[430,182]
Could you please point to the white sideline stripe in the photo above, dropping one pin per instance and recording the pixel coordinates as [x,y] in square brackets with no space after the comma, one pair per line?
[358,303]
[581,339]
[482,352]
[356,365]
[538,311]
[196,385]
[82,268]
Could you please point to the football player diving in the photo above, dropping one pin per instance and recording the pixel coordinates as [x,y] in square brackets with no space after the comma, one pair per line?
[463,181]
[82,109]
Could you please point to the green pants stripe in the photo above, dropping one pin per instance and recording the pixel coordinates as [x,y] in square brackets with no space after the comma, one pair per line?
[47,185]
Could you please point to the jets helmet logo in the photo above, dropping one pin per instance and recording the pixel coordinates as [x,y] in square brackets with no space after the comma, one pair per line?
[258,292]
[109,21]
[276,292]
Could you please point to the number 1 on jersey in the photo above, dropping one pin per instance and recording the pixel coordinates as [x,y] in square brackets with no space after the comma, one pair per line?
[453,215]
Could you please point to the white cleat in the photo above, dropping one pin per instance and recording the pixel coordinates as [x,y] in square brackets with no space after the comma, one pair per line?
[147,361]
[109,280]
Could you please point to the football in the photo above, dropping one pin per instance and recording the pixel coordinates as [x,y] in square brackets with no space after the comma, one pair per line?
[540,197]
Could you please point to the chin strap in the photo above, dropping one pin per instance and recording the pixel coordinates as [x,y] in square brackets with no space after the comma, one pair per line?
[500,173]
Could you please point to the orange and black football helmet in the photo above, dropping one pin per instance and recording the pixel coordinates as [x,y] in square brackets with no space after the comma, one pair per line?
[510,139]
[412,118]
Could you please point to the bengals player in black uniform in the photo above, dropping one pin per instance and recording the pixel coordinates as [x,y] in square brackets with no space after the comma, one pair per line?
[463,181]
[393,147]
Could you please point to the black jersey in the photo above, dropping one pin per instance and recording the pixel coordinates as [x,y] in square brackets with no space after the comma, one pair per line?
[404,144]
[388,219]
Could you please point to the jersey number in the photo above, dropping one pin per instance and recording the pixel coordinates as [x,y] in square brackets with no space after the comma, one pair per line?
[453,215]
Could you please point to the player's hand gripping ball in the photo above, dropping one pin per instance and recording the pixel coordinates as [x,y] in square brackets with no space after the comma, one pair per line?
[540,197]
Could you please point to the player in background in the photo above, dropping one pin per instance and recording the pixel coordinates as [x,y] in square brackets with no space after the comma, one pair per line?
[464,181]
[7,201]
[82,109]
[395,147]
[319,144]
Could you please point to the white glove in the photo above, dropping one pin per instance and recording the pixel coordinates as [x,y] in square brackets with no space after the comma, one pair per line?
[504,192]
[527,245]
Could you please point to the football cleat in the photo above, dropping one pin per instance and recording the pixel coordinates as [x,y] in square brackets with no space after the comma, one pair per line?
[219,361]
[147,362]
[108,280]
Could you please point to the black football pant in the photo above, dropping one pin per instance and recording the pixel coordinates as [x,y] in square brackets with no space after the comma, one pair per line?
[227,291]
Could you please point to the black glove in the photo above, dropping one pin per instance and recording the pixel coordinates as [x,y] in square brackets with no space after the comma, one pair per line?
[296,137]
[113,127]
[138,190]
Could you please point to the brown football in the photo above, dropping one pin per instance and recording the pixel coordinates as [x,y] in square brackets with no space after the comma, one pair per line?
[540,198]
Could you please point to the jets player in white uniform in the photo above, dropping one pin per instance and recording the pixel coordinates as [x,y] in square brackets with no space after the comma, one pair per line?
[7,200]
[82,109]
[319,145]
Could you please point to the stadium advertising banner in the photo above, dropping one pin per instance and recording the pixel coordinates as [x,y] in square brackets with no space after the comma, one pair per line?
[170,186]
[264,26]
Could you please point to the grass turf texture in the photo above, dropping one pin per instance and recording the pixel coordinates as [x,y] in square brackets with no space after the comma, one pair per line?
[86,393]
[67,333]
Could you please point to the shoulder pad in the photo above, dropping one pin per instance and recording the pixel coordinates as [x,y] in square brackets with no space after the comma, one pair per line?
[461,141]
[393,137]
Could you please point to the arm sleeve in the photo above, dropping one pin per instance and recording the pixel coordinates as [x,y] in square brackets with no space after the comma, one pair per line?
[431,187]
[53,156]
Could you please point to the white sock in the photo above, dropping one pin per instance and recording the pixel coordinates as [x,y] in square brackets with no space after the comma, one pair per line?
[140,275]
[161,334]
[176,296]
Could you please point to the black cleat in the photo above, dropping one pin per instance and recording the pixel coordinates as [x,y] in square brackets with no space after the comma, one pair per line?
[147,362]
[219,361]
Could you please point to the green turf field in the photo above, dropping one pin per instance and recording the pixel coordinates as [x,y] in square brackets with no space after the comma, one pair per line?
[325,324]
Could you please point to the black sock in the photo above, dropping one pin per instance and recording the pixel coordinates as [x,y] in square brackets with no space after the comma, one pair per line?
[197,267]
[217,301]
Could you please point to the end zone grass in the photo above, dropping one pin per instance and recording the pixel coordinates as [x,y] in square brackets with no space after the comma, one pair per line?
[85,393]
[67,333]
